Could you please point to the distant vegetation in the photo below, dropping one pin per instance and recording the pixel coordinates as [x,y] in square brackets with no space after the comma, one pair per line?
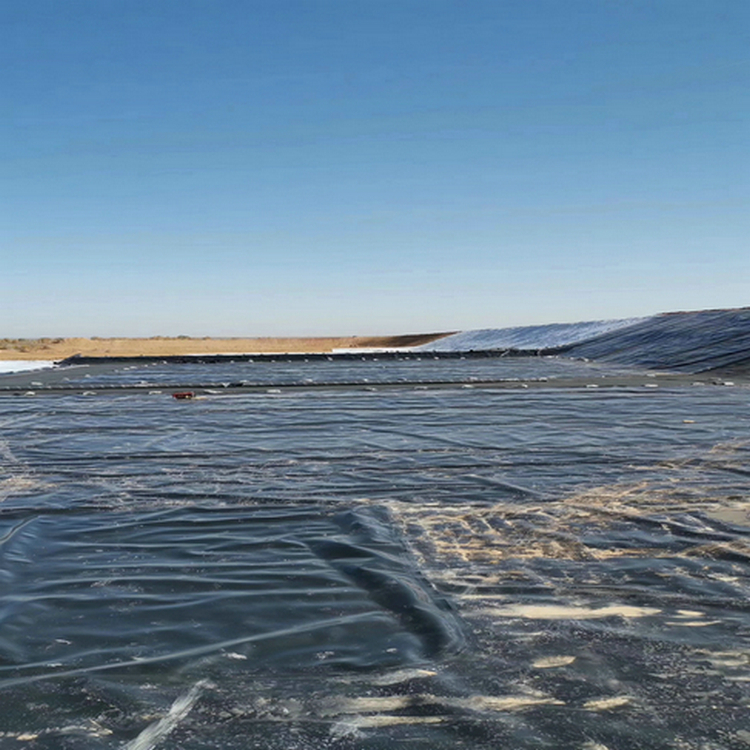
[26,345]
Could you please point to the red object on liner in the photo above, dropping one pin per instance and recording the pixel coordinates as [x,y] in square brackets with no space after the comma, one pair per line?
[183,395]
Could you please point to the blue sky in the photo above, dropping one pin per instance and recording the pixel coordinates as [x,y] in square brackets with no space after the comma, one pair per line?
[290,167]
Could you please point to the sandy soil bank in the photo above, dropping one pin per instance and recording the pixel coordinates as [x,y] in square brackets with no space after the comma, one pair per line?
[55,349]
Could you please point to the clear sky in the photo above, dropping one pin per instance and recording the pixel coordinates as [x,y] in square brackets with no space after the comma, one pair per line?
[303,167]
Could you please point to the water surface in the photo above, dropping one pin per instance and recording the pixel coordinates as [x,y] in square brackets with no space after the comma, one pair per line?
[354,569]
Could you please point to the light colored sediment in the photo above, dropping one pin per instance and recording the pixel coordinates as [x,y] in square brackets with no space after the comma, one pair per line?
[163,346]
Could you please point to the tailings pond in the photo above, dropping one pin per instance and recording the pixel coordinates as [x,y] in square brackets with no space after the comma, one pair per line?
[351,568]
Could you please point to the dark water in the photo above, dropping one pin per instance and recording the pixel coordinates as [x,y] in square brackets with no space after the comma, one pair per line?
[352,569]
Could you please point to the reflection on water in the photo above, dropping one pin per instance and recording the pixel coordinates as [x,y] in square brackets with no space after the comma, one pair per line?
[357,570]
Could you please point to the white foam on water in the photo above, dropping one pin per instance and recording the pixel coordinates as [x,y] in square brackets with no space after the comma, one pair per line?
[154,733]
[568,612]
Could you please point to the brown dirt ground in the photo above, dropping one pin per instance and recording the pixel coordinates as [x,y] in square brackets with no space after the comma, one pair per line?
[158,346]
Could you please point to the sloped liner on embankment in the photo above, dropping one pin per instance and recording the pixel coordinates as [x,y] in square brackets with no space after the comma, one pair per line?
[684,341]
[525,339]
[689,342]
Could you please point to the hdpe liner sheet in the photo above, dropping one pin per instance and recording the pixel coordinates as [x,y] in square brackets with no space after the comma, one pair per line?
[527,337]
[363,570]
[688,342]
[370,371]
